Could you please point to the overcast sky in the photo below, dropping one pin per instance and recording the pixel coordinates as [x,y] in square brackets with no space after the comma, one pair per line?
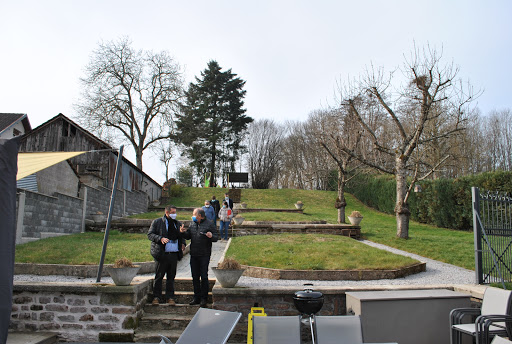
[291,53]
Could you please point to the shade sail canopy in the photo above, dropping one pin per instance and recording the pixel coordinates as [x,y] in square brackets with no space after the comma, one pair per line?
[29,163]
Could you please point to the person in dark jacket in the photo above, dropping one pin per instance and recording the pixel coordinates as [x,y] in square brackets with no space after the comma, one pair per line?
[202,232]
[229,200]
[167,247]
[216,206]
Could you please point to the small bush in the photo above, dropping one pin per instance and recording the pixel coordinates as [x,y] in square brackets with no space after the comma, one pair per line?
[176,190]
[355,213]
[229,264]
[123,263]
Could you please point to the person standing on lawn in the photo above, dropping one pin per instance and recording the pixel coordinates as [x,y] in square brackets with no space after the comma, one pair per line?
[167,247]
[225,216]
[202,232]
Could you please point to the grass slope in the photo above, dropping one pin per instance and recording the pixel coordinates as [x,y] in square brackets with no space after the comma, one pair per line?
[312,252]
[450,246]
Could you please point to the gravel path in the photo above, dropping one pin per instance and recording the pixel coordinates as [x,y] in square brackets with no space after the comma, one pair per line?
[437,273]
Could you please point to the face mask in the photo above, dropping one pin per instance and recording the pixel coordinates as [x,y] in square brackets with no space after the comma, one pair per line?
[223,206]
[172,216]
[227,198]
[194,218]
[207,205]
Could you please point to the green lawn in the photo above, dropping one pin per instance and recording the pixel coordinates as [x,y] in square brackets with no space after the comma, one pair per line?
[450,246]
[312,252]
[85,249]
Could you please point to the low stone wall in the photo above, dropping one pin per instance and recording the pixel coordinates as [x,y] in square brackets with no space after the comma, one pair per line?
[300,228]
[333,275]
[77,312]
[85,271]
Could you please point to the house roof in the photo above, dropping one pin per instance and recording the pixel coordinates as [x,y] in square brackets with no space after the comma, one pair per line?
[92,137]
[87,133]
[7,120]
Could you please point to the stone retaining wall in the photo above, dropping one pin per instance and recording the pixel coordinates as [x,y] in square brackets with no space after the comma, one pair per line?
[87,313]
[85,271]
[333,275]
[57,214]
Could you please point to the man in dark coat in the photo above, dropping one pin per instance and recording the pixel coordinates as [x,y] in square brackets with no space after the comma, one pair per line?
[167,247]
[202,232]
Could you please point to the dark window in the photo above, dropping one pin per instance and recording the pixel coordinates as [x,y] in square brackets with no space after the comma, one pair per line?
[16,132]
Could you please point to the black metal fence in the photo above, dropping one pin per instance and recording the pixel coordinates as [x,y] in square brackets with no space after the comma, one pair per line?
[492,225]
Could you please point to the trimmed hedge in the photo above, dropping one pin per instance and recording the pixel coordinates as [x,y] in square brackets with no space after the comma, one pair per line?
[441,202]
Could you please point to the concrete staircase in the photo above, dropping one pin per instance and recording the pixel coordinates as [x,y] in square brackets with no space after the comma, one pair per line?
[171,321]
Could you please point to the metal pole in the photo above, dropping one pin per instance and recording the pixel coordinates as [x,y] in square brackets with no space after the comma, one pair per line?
[110,211]
[475,195]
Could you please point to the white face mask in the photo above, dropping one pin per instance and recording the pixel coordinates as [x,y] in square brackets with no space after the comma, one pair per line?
[227,198]
[172,216]
[207,205]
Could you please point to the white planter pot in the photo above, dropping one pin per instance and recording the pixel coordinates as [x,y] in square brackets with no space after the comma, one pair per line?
[123,276]
[227,278]
[355,221]
[299,206]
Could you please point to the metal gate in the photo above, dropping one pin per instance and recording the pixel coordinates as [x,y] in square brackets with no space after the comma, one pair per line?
[492,226]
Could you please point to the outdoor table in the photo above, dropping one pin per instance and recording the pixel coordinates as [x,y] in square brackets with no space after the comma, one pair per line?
[406,316]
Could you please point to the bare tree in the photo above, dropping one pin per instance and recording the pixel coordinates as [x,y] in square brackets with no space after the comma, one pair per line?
[131,94]
[305,165]
[431,96]
[264,147]
[165,151]
[337,129]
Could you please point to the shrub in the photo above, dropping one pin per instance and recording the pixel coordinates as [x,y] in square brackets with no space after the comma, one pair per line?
[123,263]
[442,202]
[176,190]
[229,264]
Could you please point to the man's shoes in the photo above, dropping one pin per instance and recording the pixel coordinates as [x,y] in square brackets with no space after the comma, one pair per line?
[194,302]
[203,303]
[171,302]
[155,301]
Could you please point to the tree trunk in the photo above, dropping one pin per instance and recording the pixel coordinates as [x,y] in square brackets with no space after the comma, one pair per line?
[341,196]
[138,158]
[212,166]
[401,208]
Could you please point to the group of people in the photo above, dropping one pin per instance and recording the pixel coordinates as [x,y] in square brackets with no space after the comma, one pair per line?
[224,213]
[168,241]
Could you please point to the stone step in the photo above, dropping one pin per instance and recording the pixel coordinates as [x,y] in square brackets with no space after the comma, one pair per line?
[164,322]
[185,284]
[182,309]
[31,338]
[180,297]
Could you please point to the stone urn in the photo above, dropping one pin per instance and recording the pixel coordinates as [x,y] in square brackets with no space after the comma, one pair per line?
[227,277]
[355,221]
[123,276]
[243,205]
[238,220]
[299,205]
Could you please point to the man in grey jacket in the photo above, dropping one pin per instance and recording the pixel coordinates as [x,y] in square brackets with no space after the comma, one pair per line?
[202,232]
[166,248]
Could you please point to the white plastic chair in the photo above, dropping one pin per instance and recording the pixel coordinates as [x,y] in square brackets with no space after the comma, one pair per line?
[344,329]
[276,330]
[208,326]
[492,319]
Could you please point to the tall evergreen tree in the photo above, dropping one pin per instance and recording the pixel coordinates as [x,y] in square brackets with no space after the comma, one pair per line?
[212,122]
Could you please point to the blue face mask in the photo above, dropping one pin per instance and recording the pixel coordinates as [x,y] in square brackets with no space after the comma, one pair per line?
[194,218]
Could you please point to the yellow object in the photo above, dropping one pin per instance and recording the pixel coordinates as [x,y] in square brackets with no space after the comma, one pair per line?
[255,312]
[29,163]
